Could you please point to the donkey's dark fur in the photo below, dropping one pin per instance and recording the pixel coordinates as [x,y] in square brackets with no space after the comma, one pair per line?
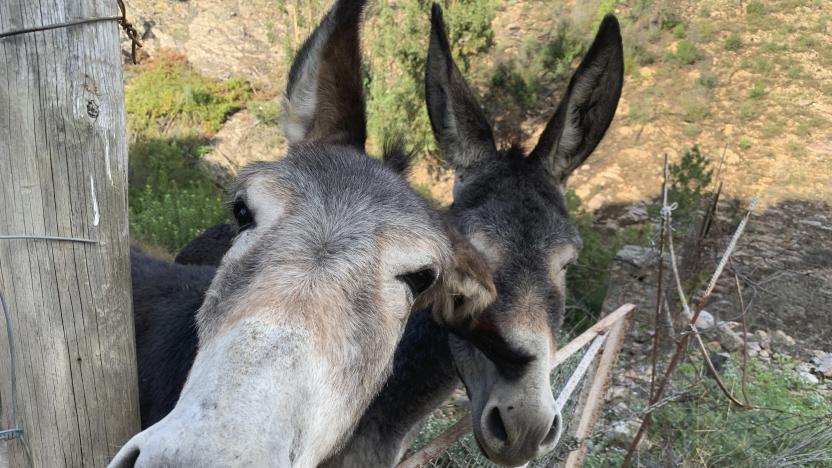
[212,245]
[166,297]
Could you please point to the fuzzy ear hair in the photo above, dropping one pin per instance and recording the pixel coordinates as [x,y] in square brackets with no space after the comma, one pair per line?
[396,156]
[587,109]
[459,124]
[324,100]
[466,289]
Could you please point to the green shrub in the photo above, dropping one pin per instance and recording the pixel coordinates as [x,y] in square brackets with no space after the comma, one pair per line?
[756,8]
[758,65]
[706,430]
[796,149]
[167,93]
[744,143]
[748,110]
[587,279]
[686,53]
[394,77]
[669,20]
[171,198]
[679,31]
[267,112]
[692,130]
[708,80]
[539,63]
[733,42]
[172,111]
[694,110]
[757,91]
[689,181]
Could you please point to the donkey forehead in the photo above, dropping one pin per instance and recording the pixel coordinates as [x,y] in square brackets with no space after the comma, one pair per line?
[514,215]
[333,188]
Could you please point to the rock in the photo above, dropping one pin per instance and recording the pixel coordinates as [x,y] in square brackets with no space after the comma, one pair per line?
[705,321]
[823,366]
[808,378]
[761,335]
[803,367]
[621,433]
[729,340]
[754,348]
[718,360]
[713,346]
[778,338]
[636,255]
[634,214]
[243,139]
[619,393]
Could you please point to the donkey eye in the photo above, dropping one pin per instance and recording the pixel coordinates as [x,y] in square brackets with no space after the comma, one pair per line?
[418,281]
[243,215]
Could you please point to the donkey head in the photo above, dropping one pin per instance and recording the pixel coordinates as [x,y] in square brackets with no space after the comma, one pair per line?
[511,207]
[298,329]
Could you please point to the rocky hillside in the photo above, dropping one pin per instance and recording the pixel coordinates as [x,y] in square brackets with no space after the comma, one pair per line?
[749,82]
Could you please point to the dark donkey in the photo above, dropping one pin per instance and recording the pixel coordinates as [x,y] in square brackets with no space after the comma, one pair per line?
[297,330]
[511,208]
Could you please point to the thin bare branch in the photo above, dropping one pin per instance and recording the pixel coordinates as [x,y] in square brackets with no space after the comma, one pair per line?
[743,310]
[659,289]
[681,345]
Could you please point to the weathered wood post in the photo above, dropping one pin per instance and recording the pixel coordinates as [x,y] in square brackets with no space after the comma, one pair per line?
[63,172]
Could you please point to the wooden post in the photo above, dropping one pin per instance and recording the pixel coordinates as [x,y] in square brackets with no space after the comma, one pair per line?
[63,172]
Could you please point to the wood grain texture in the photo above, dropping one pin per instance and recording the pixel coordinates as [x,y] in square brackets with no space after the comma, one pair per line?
[63,171]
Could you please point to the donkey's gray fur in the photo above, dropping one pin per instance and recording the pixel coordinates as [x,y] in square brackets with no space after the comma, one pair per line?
[512,208]
[297,330]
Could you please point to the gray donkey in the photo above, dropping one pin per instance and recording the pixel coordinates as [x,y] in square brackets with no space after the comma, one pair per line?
[511,207]
[297,330]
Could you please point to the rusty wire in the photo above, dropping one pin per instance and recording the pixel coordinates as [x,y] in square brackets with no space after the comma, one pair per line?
[126,26]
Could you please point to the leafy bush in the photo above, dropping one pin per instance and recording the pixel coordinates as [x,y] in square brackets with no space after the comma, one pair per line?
[538,64]
[588,278]
[694,110]
[171,112]
[686,53]
[267,112]
[756,8]
[167,92]
[689,180]
[708,80]
[394,78]
[705,428]
[748,110]
[733,42]
[757,91]
[172,199]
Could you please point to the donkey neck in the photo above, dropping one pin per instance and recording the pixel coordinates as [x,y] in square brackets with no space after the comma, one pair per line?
[423,377]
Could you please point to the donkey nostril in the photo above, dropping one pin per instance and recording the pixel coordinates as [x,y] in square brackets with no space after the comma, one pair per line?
[494,424]
[554,432]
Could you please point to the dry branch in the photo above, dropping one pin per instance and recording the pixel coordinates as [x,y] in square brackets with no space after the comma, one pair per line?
[682,343]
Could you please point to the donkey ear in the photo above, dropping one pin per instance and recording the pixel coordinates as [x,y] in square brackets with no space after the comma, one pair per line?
[465,290]
[324,100]
[459,125]
[587,109]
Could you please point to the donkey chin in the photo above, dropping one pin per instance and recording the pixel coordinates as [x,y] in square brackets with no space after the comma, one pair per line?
[512,407]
